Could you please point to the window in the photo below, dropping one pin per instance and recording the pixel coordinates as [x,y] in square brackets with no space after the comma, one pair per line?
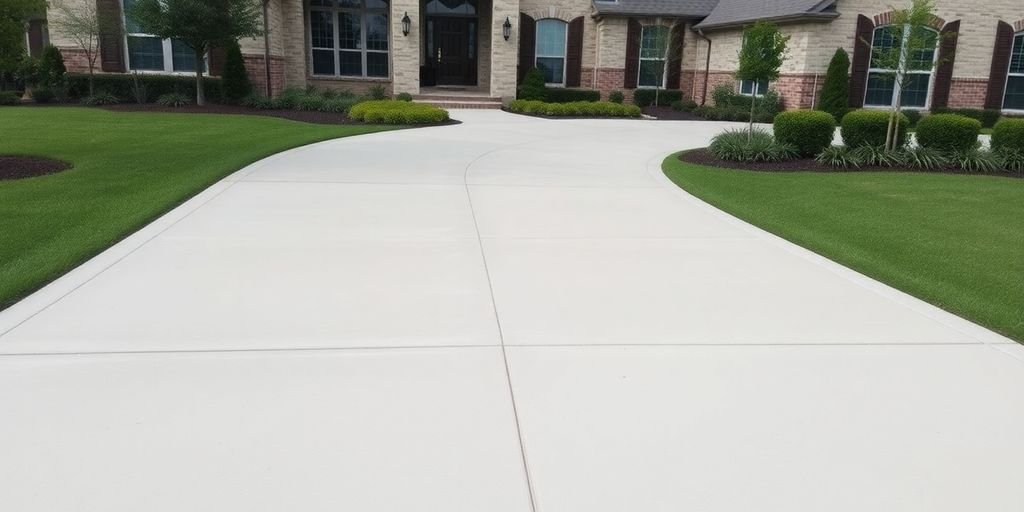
[653,43]
[150,53]
[349,37]
[752,88]
[551,34]
[1014,98]
[882,88]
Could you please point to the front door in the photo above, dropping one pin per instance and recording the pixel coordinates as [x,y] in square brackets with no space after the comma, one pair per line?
[455,52]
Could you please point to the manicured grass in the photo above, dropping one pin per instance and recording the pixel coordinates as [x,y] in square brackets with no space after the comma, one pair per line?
[952,240]
[129,168]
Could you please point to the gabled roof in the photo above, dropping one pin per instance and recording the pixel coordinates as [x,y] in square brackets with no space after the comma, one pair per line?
[738,12]
[678,8]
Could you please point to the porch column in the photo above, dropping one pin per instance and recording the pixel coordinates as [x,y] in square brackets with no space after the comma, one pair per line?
[405,50]
[504,54]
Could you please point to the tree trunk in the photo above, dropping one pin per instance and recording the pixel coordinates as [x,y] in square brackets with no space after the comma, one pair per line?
[753,103]
[200,93]
[893,129]
[91,84]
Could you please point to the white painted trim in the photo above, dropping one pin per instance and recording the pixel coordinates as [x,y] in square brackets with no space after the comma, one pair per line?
[897,89]
[335,11]
[664,61]
[1006,86]
[565,50]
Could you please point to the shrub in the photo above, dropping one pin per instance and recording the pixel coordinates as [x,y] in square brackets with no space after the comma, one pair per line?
[975,160]
[684,105]
[767,107]
[838,156]
[742,146]
[173,99]
[948,132]
[1008,134]
[42,94]
[138,89]
[988,118]
[1012,159]
[338,105]
[310,103]
[868,128]
[100,99]
[876,155]
[9,98]
[403,96]
[616,97]
[257,102]
[235,83]
[51,71]
[559,95]
[913,116]
[809,131]
[397,112]
[835,92]
[289,98]
[923,158]
[533,86]
[645,97]
[576,108]
[378,93]
[121,85]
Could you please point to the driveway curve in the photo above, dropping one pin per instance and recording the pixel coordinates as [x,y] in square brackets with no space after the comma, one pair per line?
[510,314]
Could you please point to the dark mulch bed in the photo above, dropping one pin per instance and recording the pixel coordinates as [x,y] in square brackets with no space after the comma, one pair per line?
[294,115]
[18,167]
[704,157]
[542,116]
[670,114]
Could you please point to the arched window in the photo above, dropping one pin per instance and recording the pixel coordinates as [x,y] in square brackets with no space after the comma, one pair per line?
[551,34]
[1014,98]
[889,54]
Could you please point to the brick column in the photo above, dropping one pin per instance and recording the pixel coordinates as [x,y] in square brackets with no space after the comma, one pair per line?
[405,50]
[504,54]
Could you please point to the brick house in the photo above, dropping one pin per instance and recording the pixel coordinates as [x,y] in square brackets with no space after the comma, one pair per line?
[485,46]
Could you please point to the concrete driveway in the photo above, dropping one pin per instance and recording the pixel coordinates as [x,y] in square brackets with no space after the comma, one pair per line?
[508,315]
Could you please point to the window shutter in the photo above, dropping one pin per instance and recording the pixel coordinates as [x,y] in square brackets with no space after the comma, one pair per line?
[217,56]
[675,56]
[1000,66]
[632,53]
[111,42]
[35,38]
[574,53]
[947,55]
[527,44]
[861,60]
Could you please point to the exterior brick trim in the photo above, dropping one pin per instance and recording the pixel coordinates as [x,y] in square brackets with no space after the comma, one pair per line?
[885,18]
[1018,26]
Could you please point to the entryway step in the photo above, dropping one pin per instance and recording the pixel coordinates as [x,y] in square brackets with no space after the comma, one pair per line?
[477,102]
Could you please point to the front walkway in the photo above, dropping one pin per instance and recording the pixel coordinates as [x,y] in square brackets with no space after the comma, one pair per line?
[511,314]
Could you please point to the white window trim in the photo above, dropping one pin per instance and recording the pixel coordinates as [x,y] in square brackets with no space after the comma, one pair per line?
[897,89]
[756,88]
[1006,87]
[564,56]
[336,11]
[168,52]
[664,63]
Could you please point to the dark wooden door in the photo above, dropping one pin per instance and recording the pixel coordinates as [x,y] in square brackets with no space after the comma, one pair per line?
[452,59]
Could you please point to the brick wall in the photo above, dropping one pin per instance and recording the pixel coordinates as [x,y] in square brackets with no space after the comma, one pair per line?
[256,68]
[968,93]
[76,62]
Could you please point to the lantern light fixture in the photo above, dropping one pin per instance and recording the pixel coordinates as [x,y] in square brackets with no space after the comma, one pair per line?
[406,24]
[506,29]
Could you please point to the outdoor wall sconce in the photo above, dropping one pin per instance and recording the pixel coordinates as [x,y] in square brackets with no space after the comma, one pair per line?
[506,29]
[406,24]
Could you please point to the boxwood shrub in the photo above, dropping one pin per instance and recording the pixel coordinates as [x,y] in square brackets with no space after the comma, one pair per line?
[560,95]
[868,128]
[809,131]
[120,85]
[397,112]
[1008,134]
[948,132]
[645,97]
[988,118]
[575,109]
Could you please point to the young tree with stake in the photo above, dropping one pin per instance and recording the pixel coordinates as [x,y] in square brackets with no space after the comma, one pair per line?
[761,58]
[199,24]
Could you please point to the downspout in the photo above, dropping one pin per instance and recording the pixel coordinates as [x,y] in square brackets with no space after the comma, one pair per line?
[266,45]
[707,67]
[597,53]
[814,92]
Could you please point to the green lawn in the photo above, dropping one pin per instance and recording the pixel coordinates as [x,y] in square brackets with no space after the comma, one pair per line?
[954,241]
[129,168]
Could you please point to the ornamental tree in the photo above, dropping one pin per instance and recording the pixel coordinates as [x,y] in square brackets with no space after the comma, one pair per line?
[761,57]
[835,92]
[199,24]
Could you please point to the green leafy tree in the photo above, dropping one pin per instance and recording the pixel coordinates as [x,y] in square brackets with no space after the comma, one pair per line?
[198,24]
[13,14]
[761,57]
[835,92]
[235,79]
[913,46]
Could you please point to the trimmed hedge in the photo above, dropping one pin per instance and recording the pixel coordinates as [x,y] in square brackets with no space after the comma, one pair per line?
[397,112]
[560,95]
[948,132]
[120,85]
[9,98]
[575,109]
[988,118]
[868,128]
[809,131]
[645,97]
[533,86]
[1008,134]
